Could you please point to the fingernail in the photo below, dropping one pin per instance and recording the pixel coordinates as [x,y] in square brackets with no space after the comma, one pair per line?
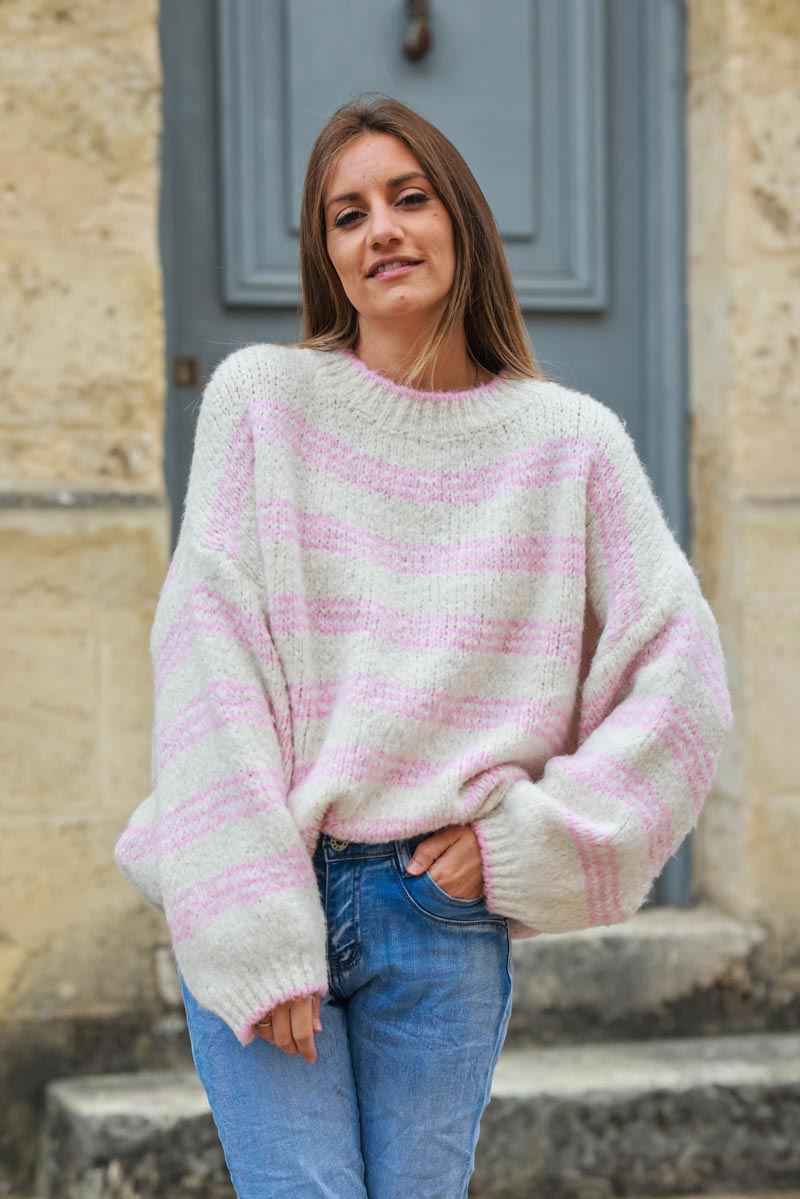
[412,867]
[317,1026]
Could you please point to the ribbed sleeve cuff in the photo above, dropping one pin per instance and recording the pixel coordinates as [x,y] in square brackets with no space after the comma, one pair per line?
[498,837]
[245,993]
[245,1033]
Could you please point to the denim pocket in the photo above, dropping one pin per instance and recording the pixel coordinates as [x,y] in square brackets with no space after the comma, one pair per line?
[426,894]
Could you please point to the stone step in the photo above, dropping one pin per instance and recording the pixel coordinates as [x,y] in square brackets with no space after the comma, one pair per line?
[664,972]
[639,1118]
[660,1117]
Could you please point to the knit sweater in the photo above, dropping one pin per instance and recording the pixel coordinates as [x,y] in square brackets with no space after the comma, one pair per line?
[391,610]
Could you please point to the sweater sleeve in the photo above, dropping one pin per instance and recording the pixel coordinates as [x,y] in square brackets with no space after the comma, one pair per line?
[214,845]
[582,844]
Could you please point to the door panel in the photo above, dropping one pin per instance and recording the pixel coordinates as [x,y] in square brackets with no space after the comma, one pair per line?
[284,64]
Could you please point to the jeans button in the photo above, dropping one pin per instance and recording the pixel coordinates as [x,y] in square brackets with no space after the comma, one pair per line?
[339,844]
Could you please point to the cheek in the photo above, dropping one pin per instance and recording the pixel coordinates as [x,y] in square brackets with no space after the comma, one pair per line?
[345,268]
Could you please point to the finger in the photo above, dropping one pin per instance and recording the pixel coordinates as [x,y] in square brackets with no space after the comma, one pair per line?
[301,1028]
[266,1034]
[428,851]
[282,1029]
[316,1012]
[425,854]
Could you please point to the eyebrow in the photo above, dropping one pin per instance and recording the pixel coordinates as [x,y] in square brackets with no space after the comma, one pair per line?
[389,183]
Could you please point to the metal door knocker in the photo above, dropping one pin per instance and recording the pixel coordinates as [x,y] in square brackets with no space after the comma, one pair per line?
[417,41]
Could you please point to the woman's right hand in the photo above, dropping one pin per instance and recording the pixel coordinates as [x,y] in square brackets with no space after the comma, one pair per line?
[294,1023]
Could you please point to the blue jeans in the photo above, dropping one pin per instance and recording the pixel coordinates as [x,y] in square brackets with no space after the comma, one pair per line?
[412,1027]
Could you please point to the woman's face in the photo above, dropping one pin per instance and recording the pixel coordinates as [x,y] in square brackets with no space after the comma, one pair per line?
[379,219]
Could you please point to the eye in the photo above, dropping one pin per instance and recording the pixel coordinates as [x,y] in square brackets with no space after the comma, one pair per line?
[344,219]
[352,214]
[417,197]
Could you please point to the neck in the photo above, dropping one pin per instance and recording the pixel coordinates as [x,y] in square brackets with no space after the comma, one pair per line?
[390,352]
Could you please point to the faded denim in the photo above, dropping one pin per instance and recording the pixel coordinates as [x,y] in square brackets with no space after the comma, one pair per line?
[412,1027]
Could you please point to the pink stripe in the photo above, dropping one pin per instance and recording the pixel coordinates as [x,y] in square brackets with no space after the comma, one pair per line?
[617,780]
[558,459]
[223,528]
[605,496]
[433,705]
[173,648]
[552,462]
[174,567]
[664,718]
[681,638]
[217,706]
[239,796]
[213,612]
[600,869]
[356,763]
[542,465]
[295,613]
[684,638]
[587,865]
[280,521]
[397,826]
[246,883]
[209,611]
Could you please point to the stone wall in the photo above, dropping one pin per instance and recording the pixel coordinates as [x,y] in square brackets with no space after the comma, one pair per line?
[84,533]
[743,114]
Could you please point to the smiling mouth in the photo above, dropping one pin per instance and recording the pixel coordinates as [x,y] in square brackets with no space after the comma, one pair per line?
[398,270]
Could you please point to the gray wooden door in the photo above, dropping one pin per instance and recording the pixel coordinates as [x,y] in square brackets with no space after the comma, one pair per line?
[570,113]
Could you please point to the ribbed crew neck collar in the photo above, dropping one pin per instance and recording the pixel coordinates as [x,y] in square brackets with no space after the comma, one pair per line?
[415,411]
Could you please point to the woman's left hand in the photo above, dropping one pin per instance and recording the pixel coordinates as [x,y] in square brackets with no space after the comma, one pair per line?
[455,856]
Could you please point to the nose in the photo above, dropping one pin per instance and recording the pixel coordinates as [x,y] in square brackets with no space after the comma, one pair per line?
[384,225]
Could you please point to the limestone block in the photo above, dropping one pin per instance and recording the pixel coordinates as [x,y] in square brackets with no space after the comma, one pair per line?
[126,707]
[83,386]
[96,19]
[49,709]
[76,711]
[705,38]
[709,351]
[81,939]
[101,557]
[771,652]
[763,43]
[769,539]
[720,848]
[83,390]
[775,833]
[90,97]
[765,382]
[708,150]
[773,179]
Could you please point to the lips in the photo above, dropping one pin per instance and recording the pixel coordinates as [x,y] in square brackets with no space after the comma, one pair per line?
[404,262]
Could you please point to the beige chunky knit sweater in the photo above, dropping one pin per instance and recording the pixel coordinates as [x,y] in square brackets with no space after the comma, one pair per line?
[390,610]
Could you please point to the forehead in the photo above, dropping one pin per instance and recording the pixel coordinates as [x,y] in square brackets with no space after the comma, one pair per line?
[372,158]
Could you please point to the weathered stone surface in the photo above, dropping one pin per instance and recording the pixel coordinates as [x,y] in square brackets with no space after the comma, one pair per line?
[104,558]
[82,377]
[75,717]
[743,127]
[150,1135]
[647,1118]
[664,971]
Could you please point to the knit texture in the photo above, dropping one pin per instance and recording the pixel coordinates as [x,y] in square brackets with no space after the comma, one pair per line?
[390,610]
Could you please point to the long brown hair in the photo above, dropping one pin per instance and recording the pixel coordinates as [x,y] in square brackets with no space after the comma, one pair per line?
[482,298]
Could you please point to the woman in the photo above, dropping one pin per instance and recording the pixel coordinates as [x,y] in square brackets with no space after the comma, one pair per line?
[432,674]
